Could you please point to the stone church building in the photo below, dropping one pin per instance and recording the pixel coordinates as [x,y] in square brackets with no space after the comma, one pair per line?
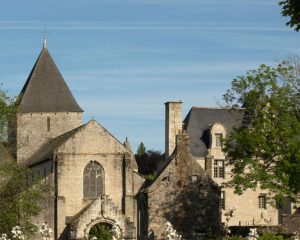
[95,177]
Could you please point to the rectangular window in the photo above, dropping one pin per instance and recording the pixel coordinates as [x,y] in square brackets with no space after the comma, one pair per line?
[219,169]
[262,202]
[219,137]
[194,178]
[222,200]
[48,124]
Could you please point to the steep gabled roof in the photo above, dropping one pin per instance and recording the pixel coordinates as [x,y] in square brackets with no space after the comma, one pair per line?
[197,124]
[45,89]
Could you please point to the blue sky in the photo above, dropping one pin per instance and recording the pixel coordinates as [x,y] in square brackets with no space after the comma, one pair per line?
[123,59]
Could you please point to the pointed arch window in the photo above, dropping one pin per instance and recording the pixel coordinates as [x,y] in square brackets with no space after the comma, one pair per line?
[93,180]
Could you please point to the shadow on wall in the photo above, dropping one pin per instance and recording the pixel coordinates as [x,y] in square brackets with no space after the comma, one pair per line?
[194,208]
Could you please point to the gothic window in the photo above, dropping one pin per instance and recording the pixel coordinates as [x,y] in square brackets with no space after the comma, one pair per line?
[93,180]
[262,201]
[219,169]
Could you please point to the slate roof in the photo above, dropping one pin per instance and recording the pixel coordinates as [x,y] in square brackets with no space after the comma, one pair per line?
[46,150]
[45,89]
[197,124]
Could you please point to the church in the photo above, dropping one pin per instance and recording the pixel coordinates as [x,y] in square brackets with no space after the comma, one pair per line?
[96,179]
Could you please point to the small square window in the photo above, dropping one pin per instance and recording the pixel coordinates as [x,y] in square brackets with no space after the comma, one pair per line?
[194,178]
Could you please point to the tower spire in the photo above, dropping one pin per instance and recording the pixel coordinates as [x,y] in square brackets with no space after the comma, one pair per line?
[45,40]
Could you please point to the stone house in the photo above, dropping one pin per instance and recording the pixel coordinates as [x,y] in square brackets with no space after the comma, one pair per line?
[188,190]
[206,127]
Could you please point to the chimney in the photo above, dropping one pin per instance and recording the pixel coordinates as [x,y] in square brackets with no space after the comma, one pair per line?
[173,125]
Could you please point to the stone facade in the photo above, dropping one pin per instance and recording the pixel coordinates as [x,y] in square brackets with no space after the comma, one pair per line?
[49,125]
[250,208]
[183,194]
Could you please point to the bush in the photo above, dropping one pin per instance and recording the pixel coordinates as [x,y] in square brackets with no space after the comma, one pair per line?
[270,236]
[234,238]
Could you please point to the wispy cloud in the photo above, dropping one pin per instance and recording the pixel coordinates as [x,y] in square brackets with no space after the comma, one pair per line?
[128,26]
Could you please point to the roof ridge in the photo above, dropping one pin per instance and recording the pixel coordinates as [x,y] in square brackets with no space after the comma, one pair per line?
[208,107]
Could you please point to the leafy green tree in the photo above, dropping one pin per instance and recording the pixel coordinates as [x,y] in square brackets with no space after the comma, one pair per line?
[19,199]
[101,232]
[147,163]
[264,149]
[18,203]
[291,8]
[141,149]
[7,117]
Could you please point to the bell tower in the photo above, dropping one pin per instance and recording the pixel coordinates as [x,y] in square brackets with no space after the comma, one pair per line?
[46,109]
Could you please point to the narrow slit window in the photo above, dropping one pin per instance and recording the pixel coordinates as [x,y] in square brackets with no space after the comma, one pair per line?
[222,200]
[48,124]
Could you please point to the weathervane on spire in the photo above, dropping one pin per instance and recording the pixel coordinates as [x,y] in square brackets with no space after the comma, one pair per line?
[45,40]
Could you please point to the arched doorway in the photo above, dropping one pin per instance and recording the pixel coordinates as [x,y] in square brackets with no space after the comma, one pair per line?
[101,231]
[104,229]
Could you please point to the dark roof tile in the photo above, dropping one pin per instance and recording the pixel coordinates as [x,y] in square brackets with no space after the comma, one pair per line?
[45,89]
[197,124]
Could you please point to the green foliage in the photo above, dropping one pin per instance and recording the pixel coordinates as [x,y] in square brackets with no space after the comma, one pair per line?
[147,162]
[141,149]
[270,236]
[7,114]
[265,148]
[150,176]
[101,232]
[234,238]
[291,8]
[18,203]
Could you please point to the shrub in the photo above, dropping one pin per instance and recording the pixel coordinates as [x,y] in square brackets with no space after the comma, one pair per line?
[270,236]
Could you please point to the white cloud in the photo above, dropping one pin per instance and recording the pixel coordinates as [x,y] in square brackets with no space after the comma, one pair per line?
[129,26]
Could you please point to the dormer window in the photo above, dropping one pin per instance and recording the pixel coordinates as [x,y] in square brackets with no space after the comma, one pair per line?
[219,137]
[217,134]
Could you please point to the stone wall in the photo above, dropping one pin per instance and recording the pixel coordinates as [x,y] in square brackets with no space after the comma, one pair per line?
[36,129]
[291,222]
[94,143]
[44,171]
[183,194]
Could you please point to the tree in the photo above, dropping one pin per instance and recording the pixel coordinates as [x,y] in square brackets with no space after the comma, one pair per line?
[264,149]
[291,8]
[19,200]
[147,161]
[101,232]
[141,149]
[7,116]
